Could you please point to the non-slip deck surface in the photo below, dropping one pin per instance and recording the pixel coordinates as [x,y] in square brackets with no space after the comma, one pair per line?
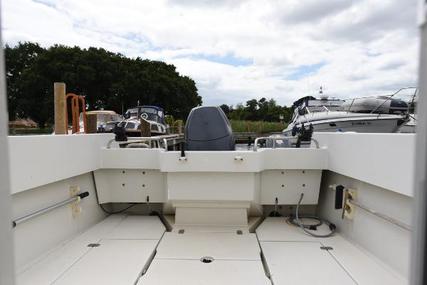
[293,257]
[113,262]
[194,272]
[220,246]
[136,250]
[236,259]
[126,244]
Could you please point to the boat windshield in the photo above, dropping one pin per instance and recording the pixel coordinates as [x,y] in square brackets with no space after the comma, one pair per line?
[131,113]
[151,114]
[324,105]
[148,113]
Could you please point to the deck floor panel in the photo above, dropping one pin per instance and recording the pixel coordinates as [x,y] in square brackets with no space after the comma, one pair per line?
[276,235]
[303,263]
[55,262]
[194,245]
[113,262]
[364,268]
[115,229]
[194,272]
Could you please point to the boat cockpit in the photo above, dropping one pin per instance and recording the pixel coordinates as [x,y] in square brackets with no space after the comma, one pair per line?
[87,211]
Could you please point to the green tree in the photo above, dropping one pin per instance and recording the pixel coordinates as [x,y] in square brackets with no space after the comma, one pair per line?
[226,109]
[260,110]
[108,80]
[18,60]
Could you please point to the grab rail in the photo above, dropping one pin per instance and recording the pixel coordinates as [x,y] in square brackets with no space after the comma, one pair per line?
[274,139]
[389,97]
[164,139]
[37,213]
[380,215]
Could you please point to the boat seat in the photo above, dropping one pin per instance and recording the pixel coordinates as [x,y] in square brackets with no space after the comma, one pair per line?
[115,251]
[293,257]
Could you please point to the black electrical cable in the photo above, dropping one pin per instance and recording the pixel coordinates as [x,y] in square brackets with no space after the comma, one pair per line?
[101,206]
[116,212]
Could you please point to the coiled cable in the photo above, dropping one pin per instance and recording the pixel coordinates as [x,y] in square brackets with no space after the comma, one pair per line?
[307,228]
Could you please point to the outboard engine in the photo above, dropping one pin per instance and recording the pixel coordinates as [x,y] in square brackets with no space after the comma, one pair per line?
[208,128]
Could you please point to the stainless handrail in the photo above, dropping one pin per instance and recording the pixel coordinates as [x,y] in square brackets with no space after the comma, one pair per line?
[48,209]
[165,142]
[351,105]
[257,140]
[325,108]
[316,142]
[380,215]
[274,139]
[157,139]
[389,97]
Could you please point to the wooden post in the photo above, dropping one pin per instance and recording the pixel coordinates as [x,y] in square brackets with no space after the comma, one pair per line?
[145,128]
[61,127]
[91,126]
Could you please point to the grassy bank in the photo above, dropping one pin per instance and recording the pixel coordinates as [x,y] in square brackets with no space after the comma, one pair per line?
[257,126]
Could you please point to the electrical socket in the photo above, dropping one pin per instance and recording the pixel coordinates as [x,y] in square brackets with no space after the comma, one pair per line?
[75,207]
[349,208]
[74,190]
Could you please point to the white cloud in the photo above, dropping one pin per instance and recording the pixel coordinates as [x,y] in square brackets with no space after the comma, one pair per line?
[238,50]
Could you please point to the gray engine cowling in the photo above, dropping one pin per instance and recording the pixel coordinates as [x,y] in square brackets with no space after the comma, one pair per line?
[207,128]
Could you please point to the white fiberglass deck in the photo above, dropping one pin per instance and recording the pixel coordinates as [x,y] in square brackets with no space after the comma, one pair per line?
[293,257]
[236,260]
[122,247]
[137,250]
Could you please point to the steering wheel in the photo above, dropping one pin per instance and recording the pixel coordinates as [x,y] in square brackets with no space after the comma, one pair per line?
[144,116]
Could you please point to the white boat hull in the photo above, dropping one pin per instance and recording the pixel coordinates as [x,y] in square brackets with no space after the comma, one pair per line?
[360,124]
[386,125]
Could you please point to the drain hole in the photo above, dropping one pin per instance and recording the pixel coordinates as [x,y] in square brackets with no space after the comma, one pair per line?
[239,232]
[93,245]
[181,231]
[206,259]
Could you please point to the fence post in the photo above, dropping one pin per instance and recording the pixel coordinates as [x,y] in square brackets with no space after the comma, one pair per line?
[61,127]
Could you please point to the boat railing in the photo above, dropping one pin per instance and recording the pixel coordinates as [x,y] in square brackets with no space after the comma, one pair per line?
[163,141]
[308,113]
[351,105]
[389,97]
[275,139]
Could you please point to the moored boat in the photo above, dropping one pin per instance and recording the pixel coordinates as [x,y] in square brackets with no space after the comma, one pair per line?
[382,114]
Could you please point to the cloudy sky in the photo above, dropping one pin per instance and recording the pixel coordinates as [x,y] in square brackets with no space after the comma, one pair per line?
[237,50]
